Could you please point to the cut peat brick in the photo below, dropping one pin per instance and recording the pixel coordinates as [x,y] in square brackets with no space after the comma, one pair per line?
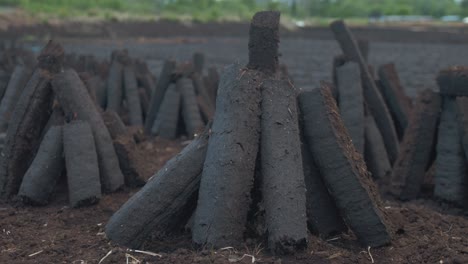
[206,112]
[263,41]
[43,174]
[213,75]
[397,101]
[115,86]
[84,187]
[190,110]
[167,119]
[132,97]
[363,45]
[198,62]
[144,101]
[17,83]
[374,151]
[77,103]
[462,117]
[148,84]
[343,168]
[352,102]
[101,91]
[284,201]
[229,168]
[114,124]
[323,217]
[86,78]
[212,82]
[158,94]
[450,179]
[125,146]
[416,149]
[453,81]
[28,120]
[165,202]
[338,61]
[201,90]
[4,78]
[372,95]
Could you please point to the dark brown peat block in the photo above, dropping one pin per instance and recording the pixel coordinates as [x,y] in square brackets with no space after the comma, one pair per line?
[167,199]
[350,96]
[453,81]
[343,168]
[450,178]
[397,101]
[76,102]
[372,94]
[284,200]
[416,149]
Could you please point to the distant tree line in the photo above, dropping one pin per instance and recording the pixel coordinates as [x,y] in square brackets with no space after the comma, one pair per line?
[326,8]
[365,8]
[207,10]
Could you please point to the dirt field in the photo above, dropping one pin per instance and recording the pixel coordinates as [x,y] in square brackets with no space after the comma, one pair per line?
[427,232]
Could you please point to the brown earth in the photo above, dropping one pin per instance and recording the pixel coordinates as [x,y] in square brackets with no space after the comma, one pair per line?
[427,232]
[58,234]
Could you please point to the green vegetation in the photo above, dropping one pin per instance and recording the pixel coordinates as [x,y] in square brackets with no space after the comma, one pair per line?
[198,10]
[87,8]
[209,10]
[364,8]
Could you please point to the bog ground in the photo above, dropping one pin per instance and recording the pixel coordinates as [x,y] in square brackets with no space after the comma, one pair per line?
[427,231]
[309,59]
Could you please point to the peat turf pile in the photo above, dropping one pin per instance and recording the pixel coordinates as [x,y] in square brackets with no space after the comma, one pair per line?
[55,125]
[179,102]
[45,101]
[414,149]
[270,166]
[183,100]
[15,70]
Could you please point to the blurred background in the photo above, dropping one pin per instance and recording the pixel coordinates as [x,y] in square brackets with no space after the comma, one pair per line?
[303,12]
[419,36]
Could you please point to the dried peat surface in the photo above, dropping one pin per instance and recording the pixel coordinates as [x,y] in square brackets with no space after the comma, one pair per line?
[64,235]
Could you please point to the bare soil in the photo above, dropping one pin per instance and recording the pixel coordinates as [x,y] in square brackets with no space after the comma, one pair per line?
[59,234]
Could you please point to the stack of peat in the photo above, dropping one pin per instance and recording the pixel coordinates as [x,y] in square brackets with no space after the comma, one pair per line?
[180,102]
[13,55]
[15,70]
[431,159]
[250,169]
[93,72]
[183,100]
[55,125]
[450,178]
